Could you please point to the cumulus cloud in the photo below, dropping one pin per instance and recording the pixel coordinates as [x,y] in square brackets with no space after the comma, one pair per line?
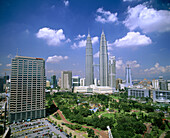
[82,43]
[105,16]
[56,59]
[133,39]
[66,3]
[158,69]
[8,65]
[121,65]
[96,55]
[0,64]
[147,19]
[80,37]
[53,37]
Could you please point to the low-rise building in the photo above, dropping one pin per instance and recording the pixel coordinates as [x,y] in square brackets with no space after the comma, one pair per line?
[139,92]
[161,96]
[94,89]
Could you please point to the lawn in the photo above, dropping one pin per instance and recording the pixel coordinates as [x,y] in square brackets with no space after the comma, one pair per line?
[109,115]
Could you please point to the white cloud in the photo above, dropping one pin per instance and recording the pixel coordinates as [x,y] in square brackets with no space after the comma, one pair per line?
[53,37]
[96,55]
[133,64]
[95,40]
[8,65]
[133,39]
[158,69]
[50,71]
[56,59]
[110,46]
[80,37]
[105,16]
[66,2]
[121,65]
[82,43]
[68,40]
[10,56]
[0,64]
[147,19]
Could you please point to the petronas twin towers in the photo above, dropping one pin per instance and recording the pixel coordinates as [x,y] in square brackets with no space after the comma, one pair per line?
[103,62]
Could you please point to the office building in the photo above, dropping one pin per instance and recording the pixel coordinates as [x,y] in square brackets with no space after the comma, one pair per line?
[163,85]
[128,77]
[1,84]
[89,62]
[138,92]
[112,71]
[168,82]
[103,61]
[75,81]
[59,82]
[53,81]
[82,82]
[93,89]
[47,83]
[118,82]
[66,80]
[155,84]
[162,96]
[27,97]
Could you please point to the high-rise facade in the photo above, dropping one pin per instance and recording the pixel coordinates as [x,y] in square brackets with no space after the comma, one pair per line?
[128,76]
[103,61]
[54,81]
[112,71]
[66,79]
[89,62]
[76,81]
[27,98]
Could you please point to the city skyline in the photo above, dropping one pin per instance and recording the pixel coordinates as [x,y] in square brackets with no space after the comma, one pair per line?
[136,30]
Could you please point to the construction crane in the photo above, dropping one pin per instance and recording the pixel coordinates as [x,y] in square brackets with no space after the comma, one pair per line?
[109,131]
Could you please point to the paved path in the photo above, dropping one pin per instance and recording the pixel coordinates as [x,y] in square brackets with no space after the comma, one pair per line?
[102,133]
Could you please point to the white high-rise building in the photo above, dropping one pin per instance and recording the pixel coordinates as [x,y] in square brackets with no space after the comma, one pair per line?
[66,79]
[27,97]
[155,84]
[103,61]
[112,71]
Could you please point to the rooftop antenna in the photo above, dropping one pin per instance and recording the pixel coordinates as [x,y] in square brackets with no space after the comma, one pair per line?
[102,31]
[88,32]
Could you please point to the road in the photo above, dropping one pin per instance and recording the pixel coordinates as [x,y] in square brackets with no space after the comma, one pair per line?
[102,133]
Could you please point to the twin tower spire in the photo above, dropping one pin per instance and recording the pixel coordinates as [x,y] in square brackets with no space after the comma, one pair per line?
[103,61]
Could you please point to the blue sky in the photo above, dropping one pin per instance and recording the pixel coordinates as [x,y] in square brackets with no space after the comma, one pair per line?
[137,32]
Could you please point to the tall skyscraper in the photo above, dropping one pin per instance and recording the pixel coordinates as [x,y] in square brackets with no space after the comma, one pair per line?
[89,62]
[128,76]
[103,55]
[112,71]
[66,79]
[27,98]
[53,81]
